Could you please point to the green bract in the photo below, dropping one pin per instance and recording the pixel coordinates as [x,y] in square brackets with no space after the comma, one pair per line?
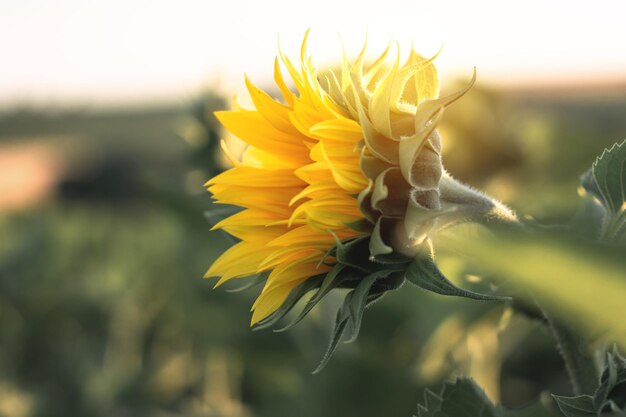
[366,277]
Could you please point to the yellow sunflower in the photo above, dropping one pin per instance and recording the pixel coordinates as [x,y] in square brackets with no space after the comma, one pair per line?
[342,157]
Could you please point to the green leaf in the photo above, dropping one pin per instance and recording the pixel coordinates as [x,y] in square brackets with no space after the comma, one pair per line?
[465,399]
[590,218]
[611,394]
[580,406]
[432,404]
[536,410]
[462,398]
[424,273]
[609,174]
[606,181]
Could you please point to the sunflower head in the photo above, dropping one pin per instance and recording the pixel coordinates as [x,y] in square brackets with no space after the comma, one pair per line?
[341,185]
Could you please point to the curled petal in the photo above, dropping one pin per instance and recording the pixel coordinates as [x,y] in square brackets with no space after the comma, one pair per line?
[391,193]
[420,159]
[379,145]
[380,105]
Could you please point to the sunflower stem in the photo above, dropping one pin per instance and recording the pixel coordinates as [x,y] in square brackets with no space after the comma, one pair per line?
[475,206]
[579,361]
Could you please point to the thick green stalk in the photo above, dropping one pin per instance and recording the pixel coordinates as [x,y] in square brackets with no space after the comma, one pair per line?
[579,361]
[472,205]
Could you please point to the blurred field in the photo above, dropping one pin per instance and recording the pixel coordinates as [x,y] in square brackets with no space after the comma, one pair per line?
[103,310]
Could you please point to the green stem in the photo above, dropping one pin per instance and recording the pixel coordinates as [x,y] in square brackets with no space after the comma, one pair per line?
[579,361]
[472,205]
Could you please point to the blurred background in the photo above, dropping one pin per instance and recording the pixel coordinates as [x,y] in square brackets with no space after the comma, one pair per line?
[107,135]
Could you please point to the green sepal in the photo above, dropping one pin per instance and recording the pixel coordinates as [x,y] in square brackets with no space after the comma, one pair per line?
[377,245]
[424,273]
[292,299]
[363,225]
[217,214]
[364,201]
[393,259]
[354,253]
[333,279]
[341,321]
[392,282]
[251,282]
[330,252]
[369,278]
[359,300]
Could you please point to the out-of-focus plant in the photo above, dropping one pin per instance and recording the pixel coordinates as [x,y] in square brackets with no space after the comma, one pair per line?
[201,131]
[482,142]
[342,187]
[467,345]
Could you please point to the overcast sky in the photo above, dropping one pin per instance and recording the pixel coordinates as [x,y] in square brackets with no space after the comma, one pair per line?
[114,51]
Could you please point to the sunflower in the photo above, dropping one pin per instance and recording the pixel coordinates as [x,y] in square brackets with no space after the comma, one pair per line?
[353,158]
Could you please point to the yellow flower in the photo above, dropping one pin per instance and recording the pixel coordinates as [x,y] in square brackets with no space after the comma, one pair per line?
[345,156]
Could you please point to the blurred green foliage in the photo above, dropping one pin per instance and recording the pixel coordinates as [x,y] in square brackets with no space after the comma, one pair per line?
[103,311]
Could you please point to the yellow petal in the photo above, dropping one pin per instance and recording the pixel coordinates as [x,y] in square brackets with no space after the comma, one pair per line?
[241,260]
[253,129]
[424,85]
[256,177]
[344,130]
[259,158]
[267,199]
[275,113]
[380,105]
[278,77]
[247,217]
[269,302]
